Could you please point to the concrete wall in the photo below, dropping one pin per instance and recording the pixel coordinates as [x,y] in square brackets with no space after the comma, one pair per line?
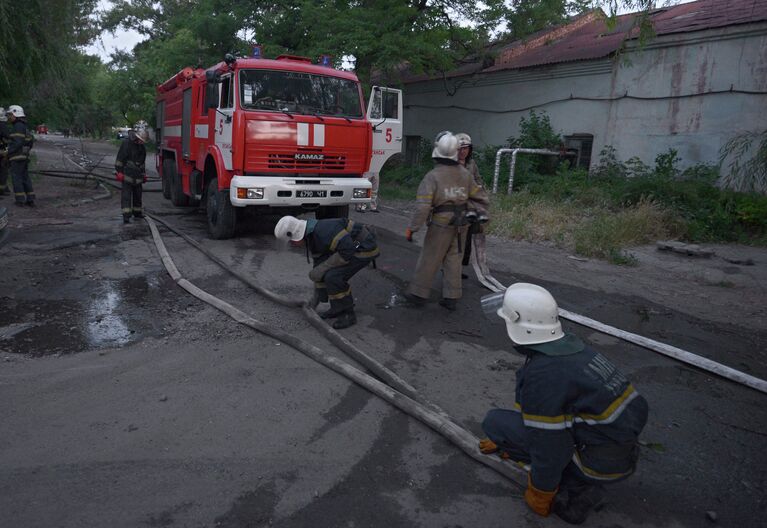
[489,106]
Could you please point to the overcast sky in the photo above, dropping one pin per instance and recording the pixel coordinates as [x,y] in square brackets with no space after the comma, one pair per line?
[126,40]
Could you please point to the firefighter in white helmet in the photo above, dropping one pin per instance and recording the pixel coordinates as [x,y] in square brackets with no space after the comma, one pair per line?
[576,419]
[442,203]
[4,140]
[20,144]
[340,248]
[476,231]
[130,170]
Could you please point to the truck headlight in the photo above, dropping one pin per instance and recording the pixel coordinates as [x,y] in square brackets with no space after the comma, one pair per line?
[361,193]
[257,193]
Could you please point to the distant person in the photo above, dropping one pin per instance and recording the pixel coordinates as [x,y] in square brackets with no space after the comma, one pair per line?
[442,203]
[340,248]
[4,141]
[576,418]
[131,171]
[21,141]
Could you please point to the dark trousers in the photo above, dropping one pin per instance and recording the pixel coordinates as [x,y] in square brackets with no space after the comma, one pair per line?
[22,184]
[131,200]
[507,430]
[4,175]
[336,285]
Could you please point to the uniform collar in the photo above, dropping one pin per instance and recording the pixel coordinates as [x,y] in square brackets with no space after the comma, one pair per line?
[567,345]
[311,223]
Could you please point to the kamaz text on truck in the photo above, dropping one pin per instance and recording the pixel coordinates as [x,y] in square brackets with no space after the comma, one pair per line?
[281,136]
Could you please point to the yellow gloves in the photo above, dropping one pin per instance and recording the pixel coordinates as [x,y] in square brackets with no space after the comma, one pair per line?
[487,446]
[539,500]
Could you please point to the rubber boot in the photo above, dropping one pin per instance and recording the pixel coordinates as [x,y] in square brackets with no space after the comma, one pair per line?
[126,219]
[449,304]
[579,504]
[330,313]
[345,320]
[414,300]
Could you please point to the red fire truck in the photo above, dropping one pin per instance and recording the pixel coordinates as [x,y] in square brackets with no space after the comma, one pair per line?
[282,136]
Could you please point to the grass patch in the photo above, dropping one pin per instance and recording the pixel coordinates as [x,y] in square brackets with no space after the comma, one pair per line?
[601,214]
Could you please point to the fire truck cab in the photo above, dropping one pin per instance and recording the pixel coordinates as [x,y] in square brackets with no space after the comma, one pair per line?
[281,136]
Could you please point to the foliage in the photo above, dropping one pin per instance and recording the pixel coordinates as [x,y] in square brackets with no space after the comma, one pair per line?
[666,164]
[535,131]
[609,166]
[748,166]
[528,16]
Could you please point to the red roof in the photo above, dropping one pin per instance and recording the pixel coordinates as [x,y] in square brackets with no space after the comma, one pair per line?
[588,37]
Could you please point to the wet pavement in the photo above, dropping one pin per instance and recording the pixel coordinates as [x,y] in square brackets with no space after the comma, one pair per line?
[131,403]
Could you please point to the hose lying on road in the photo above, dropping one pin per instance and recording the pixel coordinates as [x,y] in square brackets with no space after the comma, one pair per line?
[334,337]
[72,175]
[457,435]
[662,348]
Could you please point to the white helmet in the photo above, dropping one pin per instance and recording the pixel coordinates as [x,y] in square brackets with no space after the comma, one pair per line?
[445,146]
[290,228]
[464,139]
[141,134]
[16,110]
[531,314]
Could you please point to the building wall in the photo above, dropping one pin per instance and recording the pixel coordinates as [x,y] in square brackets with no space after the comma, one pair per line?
[489,106]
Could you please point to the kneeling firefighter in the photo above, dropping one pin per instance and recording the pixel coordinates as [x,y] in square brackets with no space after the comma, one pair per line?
[340,248]
[442,203]
[576,419]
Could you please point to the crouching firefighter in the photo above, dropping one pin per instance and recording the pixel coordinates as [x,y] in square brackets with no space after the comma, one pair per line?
[131,172]
[340,248]
[442,203]
[576,419]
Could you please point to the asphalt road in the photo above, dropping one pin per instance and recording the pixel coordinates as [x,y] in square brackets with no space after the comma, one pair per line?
[126,402]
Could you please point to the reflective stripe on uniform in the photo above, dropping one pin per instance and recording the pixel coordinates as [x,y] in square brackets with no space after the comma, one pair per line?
[319,285]
[127,210]
[17,134]
[341,295]
[563,421]
[368,254]
[595,474]
[20,194]
[19,157]
[340,235]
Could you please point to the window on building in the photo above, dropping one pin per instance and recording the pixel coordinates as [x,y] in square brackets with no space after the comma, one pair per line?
[578,148]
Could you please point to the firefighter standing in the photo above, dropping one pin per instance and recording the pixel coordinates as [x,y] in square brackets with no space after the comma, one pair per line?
[442,202]
[340,248]
[465,158]
[20,144]
[4,139]
[576,419]
[131,171]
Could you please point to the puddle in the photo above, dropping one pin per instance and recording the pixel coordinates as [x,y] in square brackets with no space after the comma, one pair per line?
[107,314]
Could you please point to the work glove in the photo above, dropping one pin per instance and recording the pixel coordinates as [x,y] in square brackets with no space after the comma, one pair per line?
[145,178]
[319,271]
[539,500]
[120,176]
[409,234]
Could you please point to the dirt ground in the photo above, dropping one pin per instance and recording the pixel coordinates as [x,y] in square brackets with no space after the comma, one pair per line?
[127,402]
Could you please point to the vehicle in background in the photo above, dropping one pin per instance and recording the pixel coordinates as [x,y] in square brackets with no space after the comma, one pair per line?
[282,136]
[42,129]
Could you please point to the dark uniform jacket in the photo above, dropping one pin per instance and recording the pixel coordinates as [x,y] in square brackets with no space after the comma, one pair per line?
[343,236]
[3,135]
[20,141]
[130,161]
[577,407]
[445,185]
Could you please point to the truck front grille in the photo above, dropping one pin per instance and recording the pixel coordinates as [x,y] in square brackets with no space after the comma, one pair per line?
[288,161]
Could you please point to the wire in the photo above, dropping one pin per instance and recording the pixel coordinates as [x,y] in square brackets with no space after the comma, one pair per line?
[593,99]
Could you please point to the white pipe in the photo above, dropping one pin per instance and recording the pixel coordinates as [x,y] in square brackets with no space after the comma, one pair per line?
[656,346]
[513,164]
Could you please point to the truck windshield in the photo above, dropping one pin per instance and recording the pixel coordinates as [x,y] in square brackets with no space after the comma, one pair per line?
[300,93]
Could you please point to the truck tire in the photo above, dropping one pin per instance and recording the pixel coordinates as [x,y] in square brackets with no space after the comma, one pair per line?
[332,211]
[177,196]
[168,168]
[222,216]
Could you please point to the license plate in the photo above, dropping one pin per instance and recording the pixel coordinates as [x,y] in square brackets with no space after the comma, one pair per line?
[311,194]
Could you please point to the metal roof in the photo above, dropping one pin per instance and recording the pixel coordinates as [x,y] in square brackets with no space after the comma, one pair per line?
[588,37]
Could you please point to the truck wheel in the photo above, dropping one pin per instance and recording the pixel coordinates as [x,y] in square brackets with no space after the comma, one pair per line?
[168,168]
[177,196]
[222,216]
[332,211]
